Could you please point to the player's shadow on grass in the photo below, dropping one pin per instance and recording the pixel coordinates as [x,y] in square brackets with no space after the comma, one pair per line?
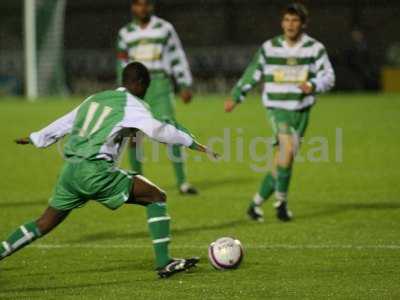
[207,184]
[22,204]
[110,235]
[30,289]
[344,207]
[119,265]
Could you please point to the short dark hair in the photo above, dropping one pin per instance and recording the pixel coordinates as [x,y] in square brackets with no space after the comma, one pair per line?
[148,1]
[135,72]
[297,9]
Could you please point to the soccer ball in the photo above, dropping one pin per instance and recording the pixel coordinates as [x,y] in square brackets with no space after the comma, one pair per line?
[225,253]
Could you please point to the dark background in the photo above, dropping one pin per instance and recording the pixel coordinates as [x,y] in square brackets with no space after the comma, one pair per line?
[219,35]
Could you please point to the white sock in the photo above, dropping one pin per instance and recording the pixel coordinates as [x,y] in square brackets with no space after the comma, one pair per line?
[258,200]
[280,197]
[185,187]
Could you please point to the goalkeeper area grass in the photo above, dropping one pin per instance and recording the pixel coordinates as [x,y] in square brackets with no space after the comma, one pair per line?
[343,243]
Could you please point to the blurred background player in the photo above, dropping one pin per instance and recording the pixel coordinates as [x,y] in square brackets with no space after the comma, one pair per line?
[294,68]
[155,43]
[360,61]
[97,130]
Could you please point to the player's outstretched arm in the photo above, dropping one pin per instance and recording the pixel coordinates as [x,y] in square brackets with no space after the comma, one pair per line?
[179,66]
[140,118]
[202,148]
[249,79]
[52,133]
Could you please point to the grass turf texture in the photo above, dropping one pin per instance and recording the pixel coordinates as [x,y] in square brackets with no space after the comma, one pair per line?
[344,242]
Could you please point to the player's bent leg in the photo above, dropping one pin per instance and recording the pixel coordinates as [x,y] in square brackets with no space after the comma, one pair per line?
[144,192]
[176,156]
[31,231]
[135,154]
[148,194]
[50,219]
[287,150]
[266,190]
[284,165]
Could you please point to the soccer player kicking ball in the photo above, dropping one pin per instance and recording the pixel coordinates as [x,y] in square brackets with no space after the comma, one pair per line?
[97,130]
[154,42]
[294,68]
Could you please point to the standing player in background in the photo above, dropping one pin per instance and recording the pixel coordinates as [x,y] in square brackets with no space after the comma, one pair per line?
[154,42]
[294,68]
[97,130]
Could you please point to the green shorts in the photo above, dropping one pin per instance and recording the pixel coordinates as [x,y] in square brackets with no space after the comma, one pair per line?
[91,180]
[289,122]
[160,97]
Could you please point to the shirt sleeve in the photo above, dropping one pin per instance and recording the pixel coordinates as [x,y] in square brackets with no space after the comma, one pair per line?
[122,56]
[55,131]
[139,117]
[177,60]
[325,75]
[250,78]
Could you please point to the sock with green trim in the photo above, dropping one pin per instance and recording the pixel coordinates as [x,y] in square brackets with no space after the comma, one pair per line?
[282,183]
[20,238]
[135,155]
[267,188]
[179,165]
[158,221]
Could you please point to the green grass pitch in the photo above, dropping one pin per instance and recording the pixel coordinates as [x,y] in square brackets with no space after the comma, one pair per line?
[344,242]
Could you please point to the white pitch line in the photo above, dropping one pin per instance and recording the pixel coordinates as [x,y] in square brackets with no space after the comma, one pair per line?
[255,247]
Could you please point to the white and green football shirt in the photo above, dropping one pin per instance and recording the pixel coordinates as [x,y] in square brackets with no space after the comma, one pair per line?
[283,68]
[157,46]
[99,125]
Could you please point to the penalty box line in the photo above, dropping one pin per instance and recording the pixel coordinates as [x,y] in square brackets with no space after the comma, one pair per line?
[251,247]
